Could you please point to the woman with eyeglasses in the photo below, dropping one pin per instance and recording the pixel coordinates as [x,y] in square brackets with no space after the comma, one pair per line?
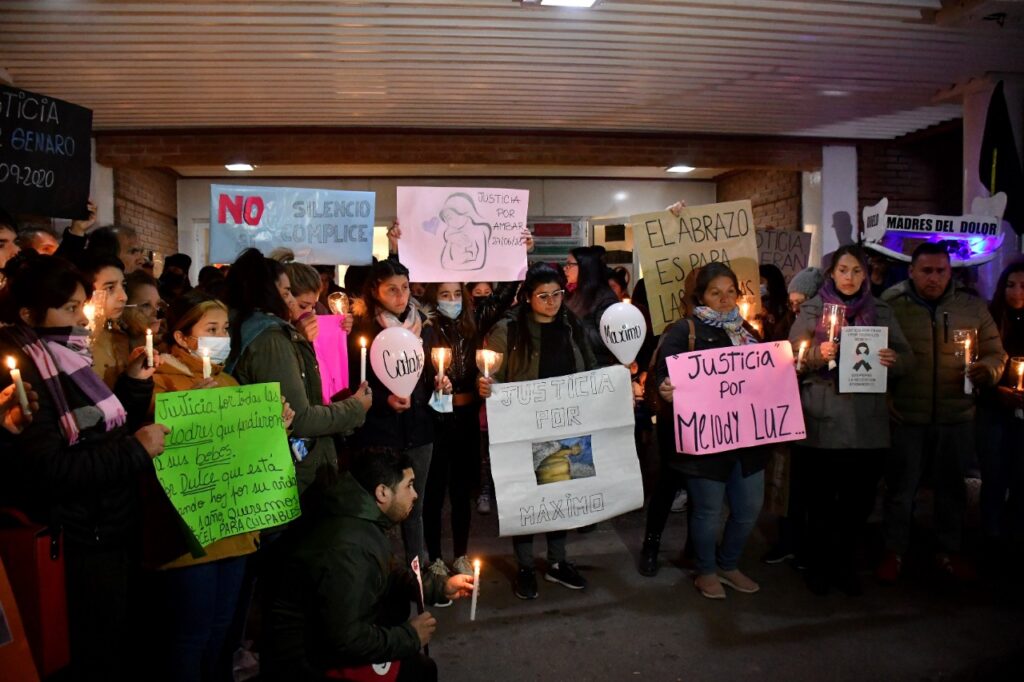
[736,475]
[541,339]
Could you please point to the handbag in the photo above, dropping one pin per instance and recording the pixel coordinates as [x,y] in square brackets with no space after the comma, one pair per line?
[34,557]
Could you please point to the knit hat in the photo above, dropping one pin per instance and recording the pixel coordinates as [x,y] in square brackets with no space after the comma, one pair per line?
[806,282]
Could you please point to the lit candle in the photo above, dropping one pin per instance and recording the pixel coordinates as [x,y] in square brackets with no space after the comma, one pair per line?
[362,359]
[149,348]
[832,336]
[19,385]
[90,314]
[207,370]
[626,301]
[968,385]
[476,588]
[1020,376]
[440,362]
[800,356]
[744,309]
[488,357]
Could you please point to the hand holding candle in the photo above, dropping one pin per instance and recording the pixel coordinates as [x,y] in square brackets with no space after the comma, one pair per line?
[19,385]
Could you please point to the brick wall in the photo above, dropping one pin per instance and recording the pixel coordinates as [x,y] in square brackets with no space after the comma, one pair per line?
[147,199]
[375,146]
[774,195]
[919,173]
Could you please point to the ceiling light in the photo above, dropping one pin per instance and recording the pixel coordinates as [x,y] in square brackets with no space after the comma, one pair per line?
[239,167]
[567,3]
[835,93]
[621,196]
[680,169]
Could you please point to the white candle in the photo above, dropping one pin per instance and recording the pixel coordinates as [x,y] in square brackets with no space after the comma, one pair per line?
[19,385]
[487,364]
[149,348]
[207,370]
[440,362]
[90,314]
[476,588]
[832,337]
[1020,376]
[362,359]
[744,309]
[968,385]
[800,356]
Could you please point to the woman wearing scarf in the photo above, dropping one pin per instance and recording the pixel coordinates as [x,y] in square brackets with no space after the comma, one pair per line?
[737,474]
[75,465]
[394,422]
[847,433]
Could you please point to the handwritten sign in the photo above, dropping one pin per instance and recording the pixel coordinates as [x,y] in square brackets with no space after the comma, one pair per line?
[735,397]
[331,347]
[859,368]
[785,249]
[45,154]
[227,467]
[319,225]
[562,451]
[453,234]
[671,247]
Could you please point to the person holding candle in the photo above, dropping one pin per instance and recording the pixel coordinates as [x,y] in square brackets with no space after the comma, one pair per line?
[402,423]
[265,347]
[111,347]
[542,339]
[455,463]
[338,600]
[144,310]
[933,419]
[736,474]
[13,417]
[847,434]
[75,465]
[1001,429]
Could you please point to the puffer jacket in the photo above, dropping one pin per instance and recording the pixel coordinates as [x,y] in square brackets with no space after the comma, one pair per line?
[334,574]
[845,421]
[933,391]
[273,350]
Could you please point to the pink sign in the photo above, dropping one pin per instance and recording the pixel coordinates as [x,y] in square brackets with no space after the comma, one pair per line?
[735,397]
[331,348]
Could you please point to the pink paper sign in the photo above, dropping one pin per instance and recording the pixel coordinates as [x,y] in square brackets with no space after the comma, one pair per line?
[736,397]
[331,348]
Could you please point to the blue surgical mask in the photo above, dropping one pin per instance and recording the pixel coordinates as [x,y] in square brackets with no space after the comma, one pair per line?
[219,347]
[450,309]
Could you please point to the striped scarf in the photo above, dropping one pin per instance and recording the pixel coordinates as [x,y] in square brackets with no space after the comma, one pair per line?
[731,323]
[65,351]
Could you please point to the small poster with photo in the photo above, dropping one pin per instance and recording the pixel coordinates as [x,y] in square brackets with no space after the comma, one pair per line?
[860,370]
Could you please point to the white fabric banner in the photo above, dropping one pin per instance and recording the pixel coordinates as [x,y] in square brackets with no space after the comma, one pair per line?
[562,451]
[859,368]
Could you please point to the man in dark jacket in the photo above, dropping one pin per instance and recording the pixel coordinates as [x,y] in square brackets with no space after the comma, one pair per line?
[933,412]
[338,599]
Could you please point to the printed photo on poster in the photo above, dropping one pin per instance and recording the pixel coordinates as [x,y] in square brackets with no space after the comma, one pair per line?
[567,459]
[859,368]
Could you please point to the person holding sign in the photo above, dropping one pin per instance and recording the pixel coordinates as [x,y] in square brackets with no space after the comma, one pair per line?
[543,339]
[846,435]
[338,599]
[265,347]
[736,474]
[76,464]
[933,416]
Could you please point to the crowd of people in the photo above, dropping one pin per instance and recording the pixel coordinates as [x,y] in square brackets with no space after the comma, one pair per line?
[76,312]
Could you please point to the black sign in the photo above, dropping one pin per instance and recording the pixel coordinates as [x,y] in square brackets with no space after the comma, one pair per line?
[44,154]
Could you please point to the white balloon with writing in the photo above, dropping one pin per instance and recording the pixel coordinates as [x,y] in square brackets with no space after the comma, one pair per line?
[623,330]
[396,356]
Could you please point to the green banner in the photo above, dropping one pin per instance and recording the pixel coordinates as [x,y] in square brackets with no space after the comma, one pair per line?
[227,467]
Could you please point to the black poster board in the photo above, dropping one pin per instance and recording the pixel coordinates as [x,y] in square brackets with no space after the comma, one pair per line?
[45,152]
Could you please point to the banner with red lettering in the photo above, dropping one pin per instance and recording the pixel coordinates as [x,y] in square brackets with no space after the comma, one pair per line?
[321,226]
[735,397]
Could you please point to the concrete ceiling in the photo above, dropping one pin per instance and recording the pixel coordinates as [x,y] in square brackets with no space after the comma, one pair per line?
[863,69]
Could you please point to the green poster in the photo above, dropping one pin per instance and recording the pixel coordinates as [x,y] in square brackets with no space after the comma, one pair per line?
[227,467]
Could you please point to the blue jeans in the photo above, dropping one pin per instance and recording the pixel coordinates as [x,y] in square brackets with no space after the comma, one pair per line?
[707,500]
[201,604]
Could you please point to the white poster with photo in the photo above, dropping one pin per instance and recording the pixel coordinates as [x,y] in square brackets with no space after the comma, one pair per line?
[455,234]
[562,451]
[859,368]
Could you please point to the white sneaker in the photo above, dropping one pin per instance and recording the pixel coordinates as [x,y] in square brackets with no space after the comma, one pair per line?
[483,504]
[438,568]
[462,565]
[679,502]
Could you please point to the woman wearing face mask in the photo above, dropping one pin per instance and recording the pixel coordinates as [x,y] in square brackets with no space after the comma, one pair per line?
[75,465]
[847,433]
[710,479]
[456,454]
[543,339]
[265,347]
[393,421]
[200,595]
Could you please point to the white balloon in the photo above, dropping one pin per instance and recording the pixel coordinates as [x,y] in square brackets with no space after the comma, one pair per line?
[396,356]
[623,330]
